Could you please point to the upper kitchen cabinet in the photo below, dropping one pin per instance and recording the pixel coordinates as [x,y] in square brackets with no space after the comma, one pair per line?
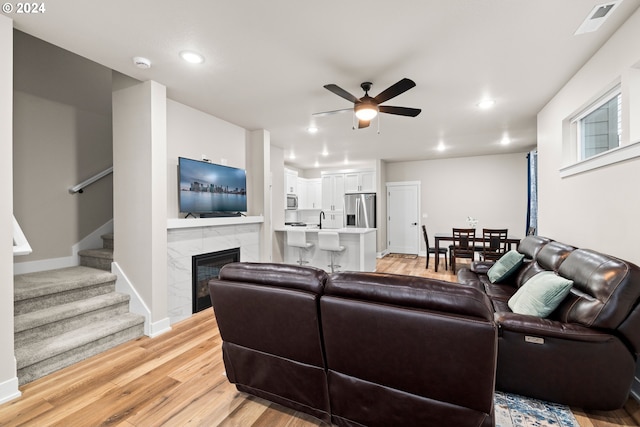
[332,192]
[290,181]
[360,182]
[309,193]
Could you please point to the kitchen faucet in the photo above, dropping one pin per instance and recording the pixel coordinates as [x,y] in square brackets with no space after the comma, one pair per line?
[320,220]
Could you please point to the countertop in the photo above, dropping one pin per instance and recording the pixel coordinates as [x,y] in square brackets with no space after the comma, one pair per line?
[315,229]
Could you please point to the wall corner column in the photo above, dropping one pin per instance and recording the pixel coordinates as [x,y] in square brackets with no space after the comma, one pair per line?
[258,163]
[140,195]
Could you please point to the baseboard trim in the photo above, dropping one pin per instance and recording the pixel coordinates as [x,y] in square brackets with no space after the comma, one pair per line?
[383,253]
[160,327]
[9,390]
[137,304]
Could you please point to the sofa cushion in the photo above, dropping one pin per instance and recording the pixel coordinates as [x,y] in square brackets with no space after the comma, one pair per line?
[540,295]
[531,245]
[505,266]
[605,289]
[551,256]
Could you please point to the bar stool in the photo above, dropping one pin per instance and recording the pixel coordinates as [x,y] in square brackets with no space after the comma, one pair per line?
[330,241]
[298,239]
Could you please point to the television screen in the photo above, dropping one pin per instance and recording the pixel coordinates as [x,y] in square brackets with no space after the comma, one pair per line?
[210,188]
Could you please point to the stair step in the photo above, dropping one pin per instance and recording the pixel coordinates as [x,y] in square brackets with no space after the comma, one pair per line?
[107,240]
[43,289]
[48,355]
[41,324]
[97,258]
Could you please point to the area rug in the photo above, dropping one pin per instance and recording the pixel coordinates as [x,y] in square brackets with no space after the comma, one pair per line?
[405,256]
[516,411]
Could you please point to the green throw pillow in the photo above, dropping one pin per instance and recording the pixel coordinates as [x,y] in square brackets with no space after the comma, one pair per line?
[541,294]
[505,266]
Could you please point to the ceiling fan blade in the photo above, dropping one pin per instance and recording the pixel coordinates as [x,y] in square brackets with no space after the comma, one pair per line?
[363,124]
[400,111]
[394,90]
[341,93]
[327,113]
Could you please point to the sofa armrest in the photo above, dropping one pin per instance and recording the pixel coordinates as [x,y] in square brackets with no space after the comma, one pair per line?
[530,325]
[481,267]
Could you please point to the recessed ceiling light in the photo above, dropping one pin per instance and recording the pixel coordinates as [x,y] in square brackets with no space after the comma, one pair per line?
[292,156]
[441,146]
[312,129]
[192,57]
[316,164]
[486,103]
[325,152]
[505,140]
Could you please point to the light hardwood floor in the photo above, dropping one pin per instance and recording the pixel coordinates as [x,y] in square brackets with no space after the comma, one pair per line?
[177,379]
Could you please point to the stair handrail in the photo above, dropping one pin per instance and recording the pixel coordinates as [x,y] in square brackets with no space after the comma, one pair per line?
[80,187]
[21,245]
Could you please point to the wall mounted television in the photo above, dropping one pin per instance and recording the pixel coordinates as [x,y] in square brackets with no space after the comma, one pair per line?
[211,190]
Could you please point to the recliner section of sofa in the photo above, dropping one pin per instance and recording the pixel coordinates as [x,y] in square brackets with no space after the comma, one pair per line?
[584,354]
[270,328]
[358,349]
[403,350]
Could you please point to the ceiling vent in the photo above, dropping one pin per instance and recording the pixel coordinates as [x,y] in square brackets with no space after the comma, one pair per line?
[596,17]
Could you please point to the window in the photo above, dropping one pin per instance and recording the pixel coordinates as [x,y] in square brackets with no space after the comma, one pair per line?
[600,126]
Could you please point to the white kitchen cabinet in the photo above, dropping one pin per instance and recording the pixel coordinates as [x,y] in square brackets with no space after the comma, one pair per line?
[333,219]
[314,193]
[303,193]
[290,181]
[309,193]
[360,182]
[333,192]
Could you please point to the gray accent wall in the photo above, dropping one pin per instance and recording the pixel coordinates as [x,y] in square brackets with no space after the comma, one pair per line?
[61,136]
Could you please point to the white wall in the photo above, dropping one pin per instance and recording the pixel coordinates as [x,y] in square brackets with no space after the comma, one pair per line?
[277,202]
[8,376]
[259,186]
[140,192]
[492,189]
[598,209]
[192,133]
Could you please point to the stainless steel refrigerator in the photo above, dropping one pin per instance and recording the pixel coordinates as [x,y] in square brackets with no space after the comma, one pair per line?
[360,210]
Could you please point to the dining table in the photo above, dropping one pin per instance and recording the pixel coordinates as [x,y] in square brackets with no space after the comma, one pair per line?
[448,237]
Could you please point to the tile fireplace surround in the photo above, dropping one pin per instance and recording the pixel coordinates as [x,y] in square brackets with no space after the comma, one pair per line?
[195,236]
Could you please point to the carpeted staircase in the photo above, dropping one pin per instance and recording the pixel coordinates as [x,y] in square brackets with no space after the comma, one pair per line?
[64,316]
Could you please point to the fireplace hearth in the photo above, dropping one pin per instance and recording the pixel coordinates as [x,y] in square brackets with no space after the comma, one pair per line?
[206,267]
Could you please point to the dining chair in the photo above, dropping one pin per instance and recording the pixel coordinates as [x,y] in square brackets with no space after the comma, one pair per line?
[494,243]
[431,250]
[464,245]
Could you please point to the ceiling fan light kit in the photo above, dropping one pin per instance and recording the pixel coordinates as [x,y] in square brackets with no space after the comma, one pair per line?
[366,111]
[367,107]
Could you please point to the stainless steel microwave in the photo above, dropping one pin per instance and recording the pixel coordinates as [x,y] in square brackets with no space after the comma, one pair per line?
[292,202]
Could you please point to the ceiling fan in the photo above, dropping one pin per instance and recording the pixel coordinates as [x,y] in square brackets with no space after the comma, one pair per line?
[367,107]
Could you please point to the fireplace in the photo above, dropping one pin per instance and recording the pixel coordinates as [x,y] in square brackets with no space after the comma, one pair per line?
[206,267]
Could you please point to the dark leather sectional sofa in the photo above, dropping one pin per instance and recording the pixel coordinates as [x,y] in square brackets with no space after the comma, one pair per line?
[584,353]
[358,349]
[367,349]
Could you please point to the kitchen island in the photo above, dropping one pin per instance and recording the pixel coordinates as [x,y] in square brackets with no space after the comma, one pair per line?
[359,253]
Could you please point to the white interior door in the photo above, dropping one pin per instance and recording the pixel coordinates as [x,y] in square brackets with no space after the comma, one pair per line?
[402,217]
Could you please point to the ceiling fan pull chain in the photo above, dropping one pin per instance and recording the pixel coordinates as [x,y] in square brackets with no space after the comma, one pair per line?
[378,124]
